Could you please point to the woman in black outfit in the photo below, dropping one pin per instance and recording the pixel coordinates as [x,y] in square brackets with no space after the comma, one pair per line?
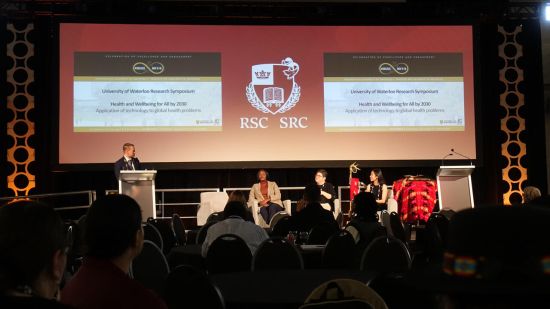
[378,188]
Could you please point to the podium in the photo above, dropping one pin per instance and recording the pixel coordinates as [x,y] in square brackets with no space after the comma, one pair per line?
[454,187]
[140,185]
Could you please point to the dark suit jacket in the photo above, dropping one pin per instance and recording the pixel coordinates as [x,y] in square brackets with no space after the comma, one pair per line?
[122,165]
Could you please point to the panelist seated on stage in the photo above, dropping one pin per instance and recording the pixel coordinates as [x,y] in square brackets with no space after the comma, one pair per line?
[328,194]
[235,223]
[378,188]
[309,212]
[129,161]
[268,196]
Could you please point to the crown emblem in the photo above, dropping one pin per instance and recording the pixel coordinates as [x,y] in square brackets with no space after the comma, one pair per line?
[262,74]
[272,81]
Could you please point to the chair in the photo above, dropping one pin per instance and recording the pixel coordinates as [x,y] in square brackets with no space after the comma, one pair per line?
[441,222]
[448,213]
[393,206]
[385,221]
[320,233]
[150,267]
[278,216]
[277,253]
[340,251]
[189,285]
[435,236]
[179,230]
[166,233]
[397,228]
[151,233]
[344,293]
[337,208]
[386,255]
[210,202]
[201,235]
[228,253]
[259,220]
[215,217]
[73,239]
[282,227]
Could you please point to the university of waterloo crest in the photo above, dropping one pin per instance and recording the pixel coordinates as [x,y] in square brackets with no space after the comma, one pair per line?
[273,88]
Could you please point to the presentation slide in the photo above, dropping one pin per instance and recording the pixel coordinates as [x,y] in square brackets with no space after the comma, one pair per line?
[394,92]
[153,92]
[296,94]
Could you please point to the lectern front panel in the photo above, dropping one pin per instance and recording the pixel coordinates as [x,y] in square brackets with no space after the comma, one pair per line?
[141,191]
[456,195]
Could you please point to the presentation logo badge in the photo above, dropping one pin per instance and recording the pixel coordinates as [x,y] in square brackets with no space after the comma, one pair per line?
[142,68]
[388,68]
[273,88]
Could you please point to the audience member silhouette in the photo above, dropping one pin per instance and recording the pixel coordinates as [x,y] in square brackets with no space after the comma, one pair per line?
[239,196]
[33,255]
[113,236]
[364,225]
[530,193]
[234,223]
[542,201]
[309,211]
[496,257]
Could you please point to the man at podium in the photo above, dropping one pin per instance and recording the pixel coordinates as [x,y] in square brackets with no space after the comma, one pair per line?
[129,161]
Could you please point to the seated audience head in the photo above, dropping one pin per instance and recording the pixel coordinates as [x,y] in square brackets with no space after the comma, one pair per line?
[312,194]
[32,250]
[365,207]
[494,256]
[234,208]
[113,228]
[530,193]
[238,196]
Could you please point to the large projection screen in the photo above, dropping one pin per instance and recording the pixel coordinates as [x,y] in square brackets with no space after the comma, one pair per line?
[195,93]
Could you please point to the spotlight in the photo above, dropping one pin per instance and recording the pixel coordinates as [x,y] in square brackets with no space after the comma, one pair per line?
[547,12]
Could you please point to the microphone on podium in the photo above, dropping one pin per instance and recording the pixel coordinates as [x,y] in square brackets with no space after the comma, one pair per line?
[464,156]
[445,157]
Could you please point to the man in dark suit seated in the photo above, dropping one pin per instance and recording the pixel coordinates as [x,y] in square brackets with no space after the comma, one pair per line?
[129,161]
[309,212]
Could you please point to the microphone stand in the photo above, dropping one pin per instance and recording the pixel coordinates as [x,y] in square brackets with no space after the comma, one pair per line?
[445,157]
[465,157]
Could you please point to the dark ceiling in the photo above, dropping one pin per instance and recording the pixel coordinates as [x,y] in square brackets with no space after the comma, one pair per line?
[316,12]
